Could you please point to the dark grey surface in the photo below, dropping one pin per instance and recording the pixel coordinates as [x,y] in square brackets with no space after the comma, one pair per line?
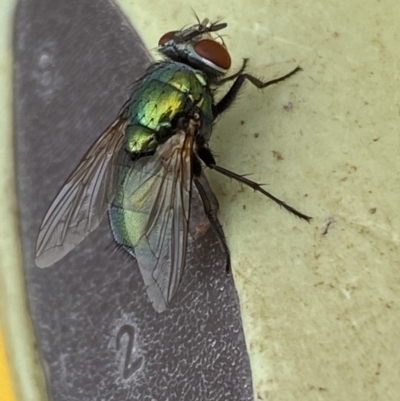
[75,61]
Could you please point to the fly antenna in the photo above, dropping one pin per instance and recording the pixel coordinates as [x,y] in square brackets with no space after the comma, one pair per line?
[217,26]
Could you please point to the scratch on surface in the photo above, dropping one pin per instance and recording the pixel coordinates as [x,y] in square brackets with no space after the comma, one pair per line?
[380,229]
[289,42]
[63,367]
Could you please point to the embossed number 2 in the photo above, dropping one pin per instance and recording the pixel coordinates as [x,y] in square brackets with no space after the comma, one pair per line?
[130,367]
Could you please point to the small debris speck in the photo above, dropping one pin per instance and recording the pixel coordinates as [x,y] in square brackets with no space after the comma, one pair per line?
[288,107]
[278,155]
[328,223]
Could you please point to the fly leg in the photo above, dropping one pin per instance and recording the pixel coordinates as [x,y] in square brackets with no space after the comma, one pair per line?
[234,76]
[230,96]
[208,159]
[211,206]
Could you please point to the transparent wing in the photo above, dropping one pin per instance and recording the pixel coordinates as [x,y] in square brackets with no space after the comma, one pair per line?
[83,200]
[156,205]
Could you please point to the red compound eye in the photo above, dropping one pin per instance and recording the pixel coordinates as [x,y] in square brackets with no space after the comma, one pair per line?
[214,52]
[166,38]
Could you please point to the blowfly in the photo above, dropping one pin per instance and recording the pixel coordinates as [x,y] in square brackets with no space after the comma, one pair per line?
[146,169]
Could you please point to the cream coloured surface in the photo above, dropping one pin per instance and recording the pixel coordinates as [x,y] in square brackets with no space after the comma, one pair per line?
[321,312]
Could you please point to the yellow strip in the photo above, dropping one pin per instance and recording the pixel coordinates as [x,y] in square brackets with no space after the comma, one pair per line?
[6,388]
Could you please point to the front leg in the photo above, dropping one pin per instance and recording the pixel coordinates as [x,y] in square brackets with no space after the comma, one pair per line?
[236,74]
[231,95]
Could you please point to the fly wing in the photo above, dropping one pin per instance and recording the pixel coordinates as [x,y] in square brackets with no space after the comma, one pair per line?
[83,200]
[156,204]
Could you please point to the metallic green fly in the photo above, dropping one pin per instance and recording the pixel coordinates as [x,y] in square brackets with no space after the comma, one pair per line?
[146,169]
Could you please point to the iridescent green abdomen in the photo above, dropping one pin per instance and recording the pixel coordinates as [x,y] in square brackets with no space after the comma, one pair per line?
[166,89]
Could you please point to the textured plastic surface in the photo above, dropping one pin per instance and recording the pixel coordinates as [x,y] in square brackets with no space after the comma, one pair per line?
[97,331]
